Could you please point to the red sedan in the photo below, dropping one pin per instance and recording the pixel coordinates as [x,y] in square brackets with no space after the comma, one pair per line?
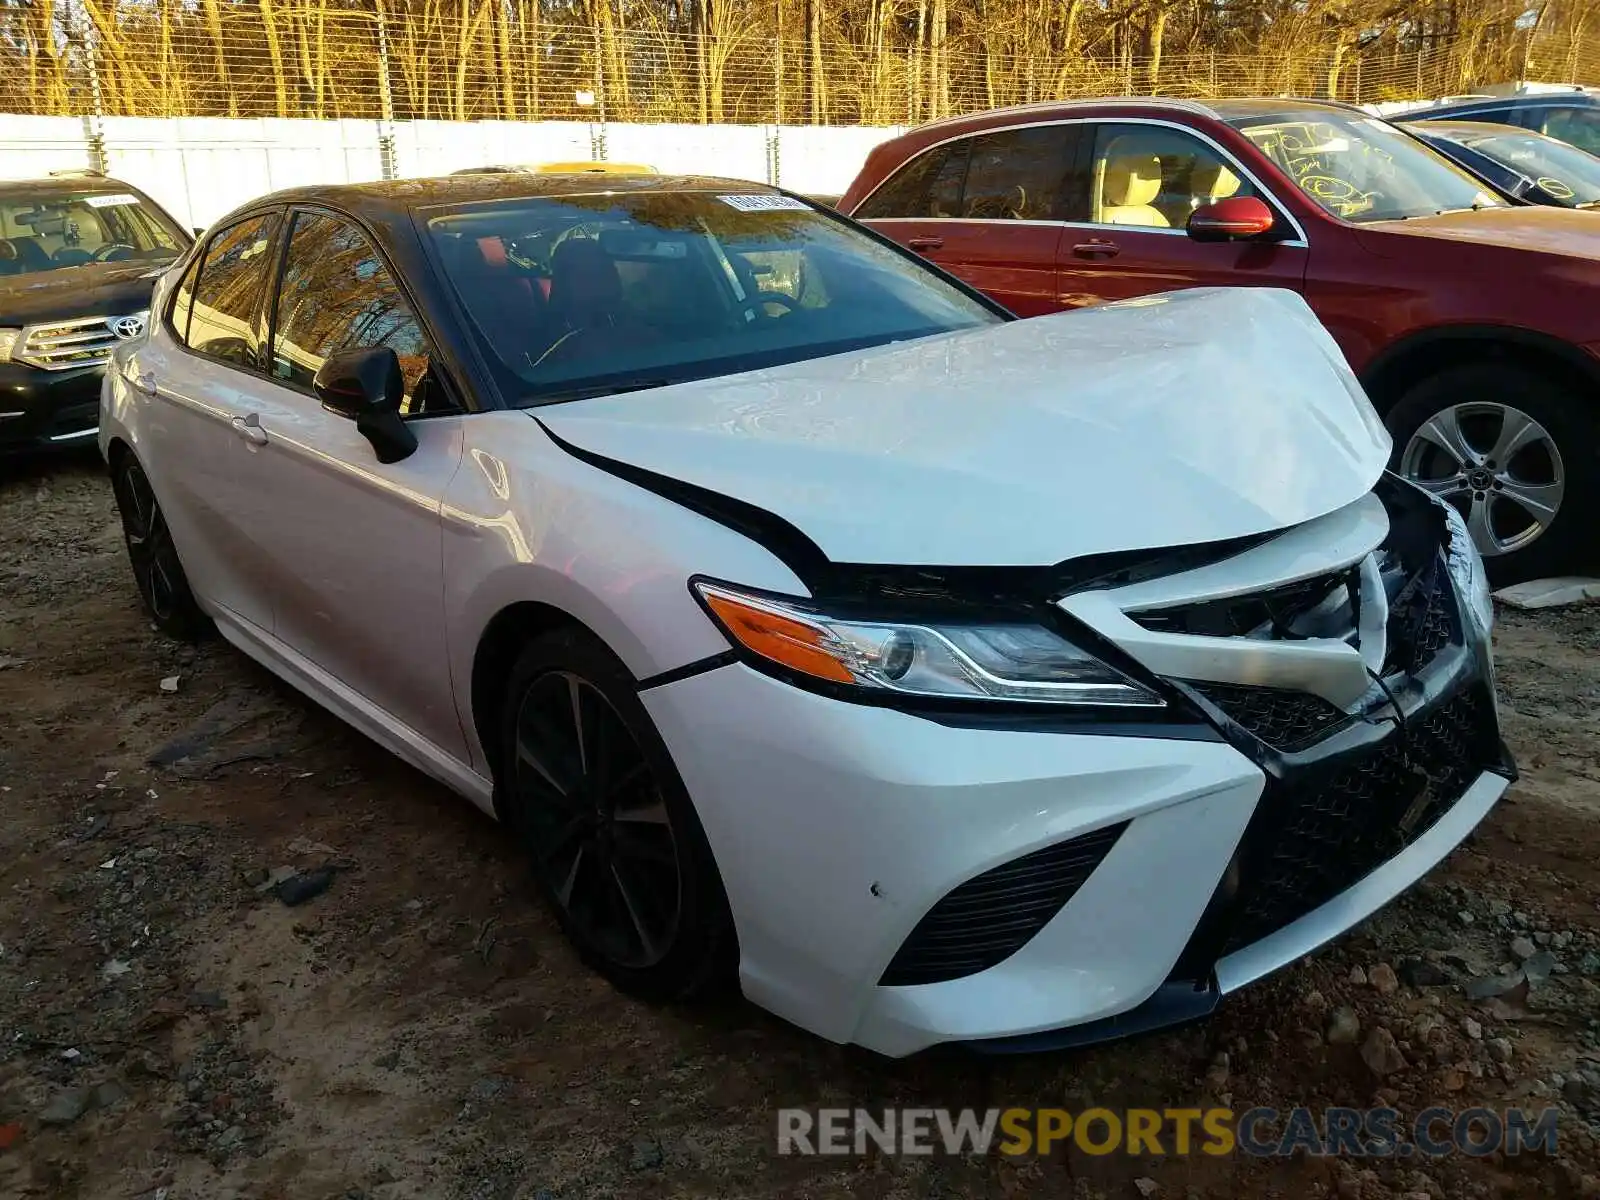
[1473,323]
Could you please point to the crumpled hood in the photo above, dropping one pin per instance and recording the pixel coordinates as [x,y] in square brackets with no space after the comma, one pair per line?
[1164,421]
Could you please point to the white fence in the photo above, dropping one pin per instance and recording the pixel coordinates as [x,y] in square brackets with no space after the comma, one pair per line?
[201,167]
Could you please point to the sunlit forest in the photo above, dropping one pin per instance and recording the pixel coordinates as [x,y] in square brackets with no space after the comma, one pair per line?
[800,61]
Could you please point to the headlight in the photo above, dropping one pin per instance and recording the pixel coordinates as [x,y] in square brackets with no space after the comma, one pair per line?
[8,339]
[944,661]
[1466,568]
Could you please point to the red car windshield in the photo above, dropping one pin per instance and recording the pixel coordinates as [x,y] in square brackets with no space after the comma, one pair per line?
[1361,168]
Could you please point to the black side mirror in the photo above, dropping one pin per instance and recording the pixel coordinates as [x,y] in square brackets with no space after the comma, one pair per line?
[366,385]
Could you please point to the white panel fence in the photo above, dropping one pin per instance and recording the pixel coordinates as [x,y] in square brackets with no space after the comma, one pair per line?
[201,167]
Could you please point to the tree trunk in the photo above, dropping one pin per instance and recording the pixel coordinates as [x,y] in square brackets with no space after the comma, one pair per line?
[819,90]
[213,13]
[1155,34]
[1069,46]
[280,84]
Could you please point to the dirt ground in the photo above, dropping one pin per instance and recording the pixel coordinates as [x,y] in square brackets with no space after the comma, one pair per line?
[168,1030]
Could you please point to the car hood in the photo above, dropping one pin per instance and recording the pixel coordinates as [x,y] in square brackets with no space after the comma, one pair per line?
[1574,233]
[1164,421]
[83,291]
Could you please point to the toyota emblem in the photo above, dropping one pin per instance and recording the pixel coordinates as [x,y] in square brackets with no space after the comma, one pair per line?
[127,328]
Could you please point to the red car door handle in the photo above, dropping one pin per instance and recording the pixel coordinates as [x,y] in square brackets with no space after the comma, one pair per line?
[925,243]
[1097,249]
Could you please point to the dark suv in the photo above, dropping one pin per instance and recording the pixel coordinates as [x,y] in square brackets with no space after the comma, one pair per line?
[1566,116]
[78,257]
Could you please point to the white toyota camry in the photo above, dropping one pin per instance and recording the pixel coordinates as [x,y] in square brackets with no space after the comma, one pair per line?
[938,676]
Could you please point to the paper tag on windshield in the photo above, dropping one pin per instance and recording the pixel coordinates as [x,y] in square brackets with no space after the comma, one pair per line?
[116,201]
[764,203]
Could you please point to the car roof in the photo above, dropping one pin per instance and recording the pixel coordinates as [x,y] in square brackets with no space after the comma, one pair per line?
[1456,130]
[1505,104]
[389,199]
[1045,110]
[1274,106]
[74,183]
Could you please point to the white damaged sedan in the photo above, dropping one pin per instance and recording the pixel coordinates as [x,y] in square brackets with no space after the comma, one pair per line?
[940,677]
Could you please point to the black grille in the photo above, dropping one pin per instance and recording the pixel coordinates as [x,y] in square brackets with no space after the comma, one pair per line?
[1285,720]
[1422,622]
[1311,840]
[990,917]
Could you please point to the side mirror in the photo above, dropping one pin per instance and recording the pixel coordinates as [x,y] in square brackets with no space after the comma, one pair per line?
[1227,220]
[366,386]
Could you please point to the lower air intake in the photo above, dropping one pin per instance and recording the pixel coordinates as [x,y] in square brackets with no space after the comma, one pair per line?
[991,916]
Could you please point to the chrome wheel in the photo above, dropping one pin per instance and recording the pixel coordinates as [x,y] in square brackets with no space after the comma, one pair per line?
[150,547]
[596,821]
[1497,465]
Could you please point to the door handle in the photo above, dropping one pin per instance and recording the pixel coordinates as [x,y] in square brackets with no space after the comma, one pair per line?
[146,383]
[925,243]
[1097,249]
[249,428]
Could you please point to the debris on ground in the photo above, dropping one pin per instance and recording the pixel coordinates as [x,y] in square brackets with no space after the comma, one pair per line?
[422,1030]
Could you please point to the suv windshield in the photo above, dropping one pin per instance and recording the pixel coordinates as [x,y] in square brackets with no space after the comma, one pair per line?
[50,230]
[1361,168]
[585,295]
[1568,174]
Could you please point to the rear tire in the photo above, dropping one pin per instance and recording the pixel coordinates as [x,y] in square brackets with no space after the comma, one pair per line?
[1517,453]
[163,587]
[617,849]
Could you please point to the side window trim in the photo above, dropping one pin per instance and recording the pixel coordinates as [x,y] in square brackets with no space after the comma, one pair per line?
[198,268]
[1299,239]
[169,307]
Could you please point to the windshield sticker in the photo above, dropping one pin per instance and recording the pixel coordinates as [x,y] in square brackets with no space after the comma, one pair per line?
[120,200]
[748,203]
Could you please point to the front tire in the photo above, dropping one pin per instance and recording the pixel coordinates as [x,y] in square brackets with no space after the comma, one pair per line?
[1515,453]
[617,849]
[163,587]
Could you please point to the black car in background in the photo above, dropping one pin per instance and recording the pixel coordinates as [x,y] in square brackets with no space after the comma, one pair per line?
[78,258]
[1572,117]
[1519,163]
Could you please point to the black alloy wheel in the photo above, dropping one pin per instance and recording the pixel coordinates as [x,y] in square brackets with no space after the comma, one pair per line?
[614,841]
[163,586]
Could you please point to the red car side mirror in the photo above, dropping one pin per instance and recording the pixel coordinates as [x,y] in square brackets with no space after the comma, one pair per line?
[1235,217]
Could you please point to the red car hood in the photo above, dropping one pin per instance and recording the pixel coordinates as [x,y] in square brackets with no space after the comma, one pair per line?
[1571,232]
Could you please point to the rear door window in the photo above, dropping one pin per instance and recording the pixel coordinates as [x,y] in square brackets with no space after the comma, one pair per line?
[928,186]
[223,323]
[1020,174]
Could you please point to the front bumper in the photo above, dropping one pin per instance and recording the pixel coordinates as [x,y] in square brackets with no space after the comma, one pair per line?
[838,827]
[48,410]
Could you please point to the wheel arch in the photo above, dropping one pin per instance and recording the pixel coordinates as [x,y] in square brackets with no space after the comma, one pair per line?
[1404,364]
[496,654]
[117,449]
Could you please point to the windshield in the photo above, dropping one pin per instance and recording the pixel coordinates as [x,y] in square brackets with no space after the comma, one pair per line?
[585,295]
[1564,172]
[1363,169]
[49,231]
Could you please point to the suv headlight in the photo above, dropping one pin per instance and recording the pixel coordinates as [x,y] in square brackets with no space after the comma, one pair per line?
[934,660]
[1466,568]
[8,339]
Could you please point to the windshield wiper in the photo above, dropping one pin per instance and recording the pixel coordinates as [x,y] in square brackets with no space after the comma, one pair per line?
[590,391]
